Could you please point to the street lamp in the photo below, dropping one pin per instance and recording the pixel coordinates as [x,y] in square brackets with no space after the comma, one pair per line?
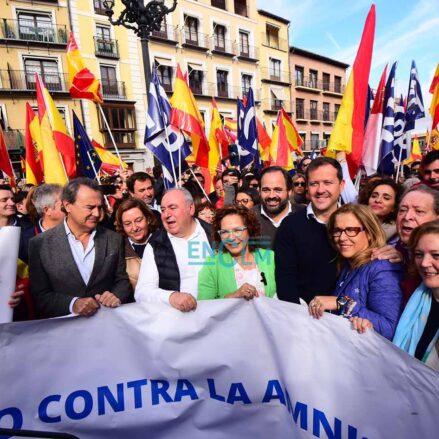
[148,18]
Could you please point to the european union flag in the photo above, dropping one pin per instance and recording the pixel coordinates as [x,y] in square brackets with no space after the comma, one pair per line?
[164,140]
[86,156]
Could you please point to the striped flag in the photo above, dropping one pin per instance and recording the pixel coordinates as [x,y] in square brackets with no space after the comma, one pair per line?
[348,132]
[231,129]
[110,162]
[5,161]
[434,107]
[400,139]
[82,83]
[218,141]
[264,141]
[415,104]
[33,170]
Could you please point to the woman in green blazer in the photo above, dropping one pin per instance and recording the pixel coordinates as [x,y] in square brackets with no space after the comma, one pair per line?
[238,269]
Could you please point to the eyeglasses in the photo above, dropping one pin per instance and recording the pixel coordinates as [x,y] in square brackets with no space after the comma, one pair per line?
[244,201]
[299,183]
[237,231]
[351,232]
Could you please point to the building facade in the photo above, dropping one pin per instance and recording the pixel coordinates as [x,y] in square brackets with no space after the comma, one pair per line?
[318,85]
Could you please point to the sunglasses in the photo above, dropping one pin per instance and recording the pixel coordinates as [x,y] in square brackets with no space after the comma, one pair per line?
[299,183]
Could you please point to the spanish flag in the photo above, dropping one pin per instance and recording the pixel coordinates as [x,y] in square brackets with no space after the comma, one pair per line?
[53,166]
[285,140]
[186,116]
[5,161]
[83,84]
[415,153]
[33,170]
[110,163]
[348,132]
[434,107]
[218,141]
[264,141]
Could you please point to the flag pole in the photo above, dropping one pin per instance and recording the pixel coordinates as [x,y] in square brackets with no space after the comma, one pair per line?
[199,184]
[111,134]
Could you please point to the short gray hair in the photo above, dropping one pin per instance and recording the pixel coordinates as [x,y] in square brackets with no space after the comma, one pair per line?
[426,190]
[44,196]
[187,195]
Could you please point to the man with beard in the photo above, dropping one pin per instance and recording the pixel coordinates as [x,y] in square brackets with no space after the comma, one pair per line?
[275,187]
[430,169]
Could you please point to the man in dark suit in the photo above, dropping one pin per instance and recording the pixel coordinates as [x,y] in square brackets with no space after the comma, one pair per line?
[78,265]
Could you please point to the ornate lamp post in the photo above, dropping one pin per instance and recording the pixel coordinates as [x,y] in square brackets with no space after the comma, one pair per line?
[148,18]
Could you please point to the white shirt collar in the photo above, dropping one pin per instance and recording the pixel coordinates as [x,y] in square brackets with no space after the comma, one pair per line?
[275,223]
[198,230]
[310,214]
[69,232]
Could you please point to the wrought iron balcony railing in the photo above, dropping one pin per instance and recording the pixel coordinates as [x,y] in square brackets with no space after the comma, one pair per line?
[223,45]
[274,42]
[196,39]
[246,51]
[271,74]
[106,47]
[272,104]
[113,89]
[33,31]
[167,32]
[333,87]
[309,82]
[22,80]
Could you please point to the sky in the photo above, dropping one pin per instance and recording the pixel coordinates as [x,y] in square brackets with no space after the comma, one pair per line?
[405,31]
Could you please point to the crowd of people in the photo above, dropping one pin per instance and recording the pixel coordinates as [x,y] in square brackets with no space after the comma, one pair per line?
[287,237]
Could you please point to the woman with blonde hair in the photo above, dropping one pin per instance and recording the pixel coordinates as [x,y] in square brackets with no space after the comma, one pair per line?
[367,291]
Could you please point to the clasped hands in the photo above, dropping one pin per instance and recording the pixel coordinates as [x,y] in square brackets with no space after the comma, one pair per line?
[88,306]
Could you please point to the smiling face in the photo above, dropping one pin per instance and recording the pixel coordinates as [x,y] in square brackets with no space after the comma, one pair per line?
[177,214]
[350,246]
[274,193]
[235,242]
[431,174]
[324,188]
[135,225]
[382,201]
[243,199]
[426,256]
[206,215]
[144,190]
[7,205]
[416,208]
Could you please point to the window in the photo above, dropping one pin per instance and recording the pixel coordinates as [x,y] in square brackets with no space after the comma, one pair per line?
[314,140]
[196,76]
[219,38]
[276,100]
[164,72]
[163,32]
[222,82]
[105,44]
[312,79]
[109,81]
[336,109]
[326,81]
[244,47]
[191,30]
[122,123]
[299,76]
[246,83]
[313,109]
[3,123]
[274,69]
[221,4]
[272,36]
[241,7]
[300,109]
[99,7]
[47,69]
[337,84]
[36,27]
[326,111]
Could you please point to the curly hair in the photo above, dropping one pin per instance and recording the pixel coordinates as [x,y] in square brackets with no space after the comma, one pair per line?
[369,221]
[248,218]
[132,203]
[367,191]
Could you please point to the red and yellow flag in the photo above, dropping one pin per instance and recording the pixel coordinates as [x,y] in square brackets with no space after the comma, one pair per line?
[83,84]
[415,153]
[348,132]
[218,141]
[5,161]
[53,166]
[433,139]
[231,129]
[33,170]
[264,141]
[110,162]
[434,107]
[285,140]
[186,116]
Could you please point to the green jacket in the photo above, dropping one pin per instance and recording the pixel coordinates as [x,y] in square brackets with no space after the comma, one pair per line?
[217,278]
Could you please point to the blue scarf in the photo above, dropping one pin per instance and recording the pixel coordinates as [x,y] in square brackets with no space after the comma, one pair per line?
[412,323]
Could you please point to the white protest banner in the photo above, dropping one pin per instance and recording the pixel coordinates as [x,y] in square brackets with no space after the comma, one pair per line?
[231,369]
[9,242]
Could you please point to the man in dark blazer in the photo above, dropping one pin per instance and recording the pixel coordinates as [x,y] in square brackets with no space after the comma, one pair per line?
[78,266]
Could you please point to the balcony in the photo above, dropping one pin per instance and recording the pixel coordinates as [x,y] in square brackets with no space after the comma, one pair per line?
[99,7]
[199,88]
[276,76]
[246,52]
[301,115]
[273,105]
[221,4]
[223,47]
[274,42]
[106,48]
[333,88]
[309,83]
[24,81]
[229,92]
[167,34]
[197,41]
[21,31]
[310,145]
[113,90]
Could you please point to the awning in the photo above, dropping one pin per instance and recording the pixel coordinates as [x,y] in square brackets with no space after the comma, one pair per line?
[193,66]
[163,62]
[278,94]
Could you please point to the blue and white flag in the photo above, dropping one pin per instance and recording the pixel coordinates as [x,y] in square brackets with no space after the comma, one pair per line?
[387,133]
[161,138]
[399,136]
[415,104]
[248,131]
